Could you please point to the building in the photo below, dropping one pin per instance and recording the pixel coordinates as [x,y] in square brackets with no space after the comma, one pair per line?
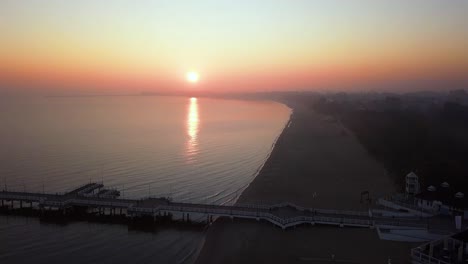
[443,200]
[412,184]
[432,201]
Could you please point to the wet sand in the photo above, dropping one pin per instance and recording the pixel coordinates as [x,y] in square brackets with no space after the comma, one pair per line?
[317,163]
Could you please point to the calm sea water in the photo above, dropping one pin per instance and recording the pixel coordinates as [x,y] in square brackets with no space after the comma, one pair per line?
[190,149]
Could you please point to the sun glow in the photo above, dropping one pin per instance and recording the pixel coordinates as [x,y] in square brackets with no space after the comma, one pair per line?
[192,77]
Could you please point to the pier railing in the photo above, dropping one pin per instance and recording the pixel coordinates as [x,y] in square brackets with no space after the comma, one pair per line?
[277,214]
[304,209]
[282,222]
[448,246]
[423,258]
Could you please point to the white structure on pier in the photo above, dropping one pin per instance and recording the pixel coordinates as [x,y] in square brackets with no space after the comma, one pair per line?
[412,184]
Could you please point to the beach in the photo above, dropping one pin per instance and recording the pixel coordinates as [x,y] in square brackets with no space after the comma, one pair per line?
[317,163]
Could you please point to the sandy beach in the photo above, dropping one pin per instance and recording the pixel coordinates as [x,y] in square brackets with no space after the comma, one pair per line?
[316,162]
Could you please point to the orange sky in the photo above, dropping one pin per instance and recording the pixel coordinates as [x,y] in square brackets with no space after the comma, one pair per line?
[127,47]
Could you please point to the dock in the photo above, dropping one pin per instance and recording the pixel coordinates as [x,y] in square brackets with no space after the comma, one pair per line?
[284,215]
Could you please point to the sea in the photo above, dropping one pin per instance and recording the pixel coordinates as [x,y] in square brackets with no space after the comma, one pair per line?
[189,149]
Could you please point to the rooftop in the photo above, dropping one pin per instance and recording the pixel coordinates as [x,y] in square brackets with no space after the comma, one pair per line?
[446,195]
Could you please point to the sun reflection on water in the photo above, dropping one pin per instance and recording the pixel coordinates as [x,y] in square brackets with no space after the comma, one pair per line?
[192,128]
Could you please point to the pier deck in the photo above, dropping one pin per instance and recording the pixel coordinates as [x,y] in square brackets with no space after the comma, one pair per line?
[283,215]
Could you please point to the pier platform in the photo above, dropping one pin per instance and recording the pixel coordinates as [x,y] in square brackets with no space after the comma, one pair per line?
[284,215]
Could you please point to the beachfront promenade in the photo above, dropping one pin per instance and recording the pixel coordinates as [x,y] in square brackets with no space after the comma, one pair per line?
[284,215]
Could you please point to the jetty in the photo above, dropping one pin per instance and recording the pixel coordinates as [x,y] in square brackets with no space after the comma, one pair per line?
[93,196]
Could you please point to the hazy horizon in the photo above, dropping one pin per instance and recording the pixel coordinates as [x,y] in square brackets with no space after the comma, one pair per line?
[220,131]
[65,48]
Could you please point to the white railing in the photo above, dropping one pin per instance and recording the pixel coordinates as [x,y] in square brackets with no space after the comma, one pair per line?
[342,212]
[300,208]
[282,222]
[402,203]
[254,206]
[20,197]
[99,202]
[324,216]
[239,212]
[423,258]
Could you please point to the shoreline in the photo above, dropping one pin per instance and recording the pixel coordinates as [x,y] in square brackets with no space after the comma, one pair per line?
[273,145]
[199,249]
[302,150]
[290,152]
[193,258]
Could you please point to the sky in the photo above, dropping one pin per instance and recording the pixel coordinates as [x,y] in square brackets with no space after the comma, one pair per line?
[119,46]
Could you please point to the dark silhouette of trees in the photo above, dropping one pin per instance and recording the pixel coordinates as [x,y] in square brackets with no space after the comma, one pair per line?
[432,142]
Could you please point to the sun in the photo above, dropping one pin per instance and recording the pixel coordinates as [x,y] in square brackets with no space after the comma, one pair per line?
[192,76]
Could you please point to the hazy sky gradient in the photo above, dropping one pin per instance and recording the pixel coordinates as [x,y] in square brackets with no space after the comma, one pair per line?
[130,46]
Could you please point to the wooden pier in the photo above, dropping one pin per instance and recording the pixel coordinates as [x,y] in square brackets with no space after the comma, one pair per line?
[284,215]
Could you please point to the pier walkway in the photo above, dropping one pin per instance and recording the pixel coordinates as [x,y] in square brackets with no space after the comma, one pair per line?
[283,215]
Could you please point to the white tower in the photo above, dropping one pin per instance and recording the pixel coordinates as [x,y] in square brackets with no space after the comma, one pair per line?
[412,184]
